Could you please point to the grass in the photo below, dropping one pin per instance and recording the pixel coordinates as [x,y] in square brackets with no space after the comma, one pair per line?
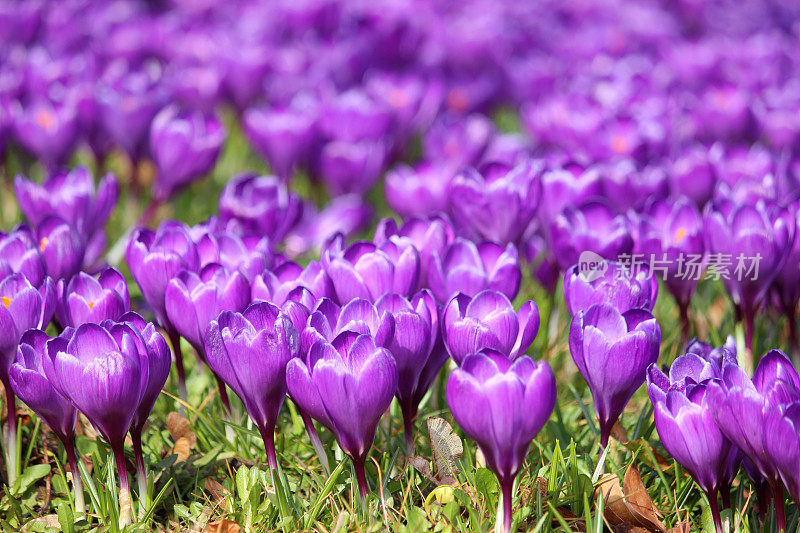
[220,482]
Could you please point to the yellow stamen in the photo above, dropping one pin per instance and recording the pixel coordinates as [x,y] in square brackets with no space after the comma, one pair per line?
[6,301]
[43,244]
[680,235]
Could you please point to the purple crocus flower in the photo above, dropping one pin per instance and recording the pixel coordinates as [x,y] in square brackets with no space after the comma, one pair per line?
[276,285]
[73,197]
[19,253]
[417,349]
[502,405]
[260,205]
[630,188]
[48,129]
[783,445]
[365,270]
[498,203]
[100,370]
[62,247]
[742,407]
[488,321]
[155,360]
[623,287]
[155,258]
[351,166]
[184,146]
[283,136]
[29,383]
[612,351]
[594,227]
[250,351]
[86,299]
[692,175]
[672,234]
[328,320]
[461,141]
[686,425]
[571,183]
[786,291]
[419,191]
[757,239]
[249,254]
[346,385]
[471,268]
[128,101]
[22,307]
[430,236]
[192,300]
[347,214]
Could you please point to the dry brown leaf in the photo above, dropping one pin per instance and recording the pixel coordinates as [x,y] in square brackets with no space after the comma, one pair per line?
[629,504]
[48,520]
[446,447]
[222,526]
[683,527]
[182,435]
[218,492]
[619,433]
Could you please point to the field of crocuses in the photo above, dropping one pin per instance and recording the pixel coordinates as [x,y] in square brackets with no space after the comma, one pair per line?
[400,265]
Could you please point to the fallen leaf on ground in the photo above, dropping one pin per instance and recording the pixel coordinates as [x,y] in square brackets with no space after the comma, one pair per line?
[222,526]
[629,504]
[446,447]
[217,491]
[182,435]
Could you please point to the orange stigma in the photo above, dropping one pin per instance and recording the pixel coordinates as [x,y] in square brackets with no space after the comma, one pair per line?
[6,301]
[43,244]
[619,144]
[45,120]
[680,235]
[91,305]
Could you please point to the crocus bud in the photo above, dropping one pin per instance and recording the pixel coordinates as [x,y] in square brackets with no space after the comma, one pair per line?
[249,351]
[62,247]
[612,351]
[502,405]
[417,349]
[261,205]
[86,299]
[623,288]
[470,268]
[488,321]
[593,227]
[498,203]
[364,270]
[184,147]
[782,426]
[192,300]
[346,386]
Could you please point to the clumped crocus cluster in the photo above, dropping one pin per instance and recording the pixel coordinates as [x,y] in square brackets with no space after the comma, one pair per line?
[609,146]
